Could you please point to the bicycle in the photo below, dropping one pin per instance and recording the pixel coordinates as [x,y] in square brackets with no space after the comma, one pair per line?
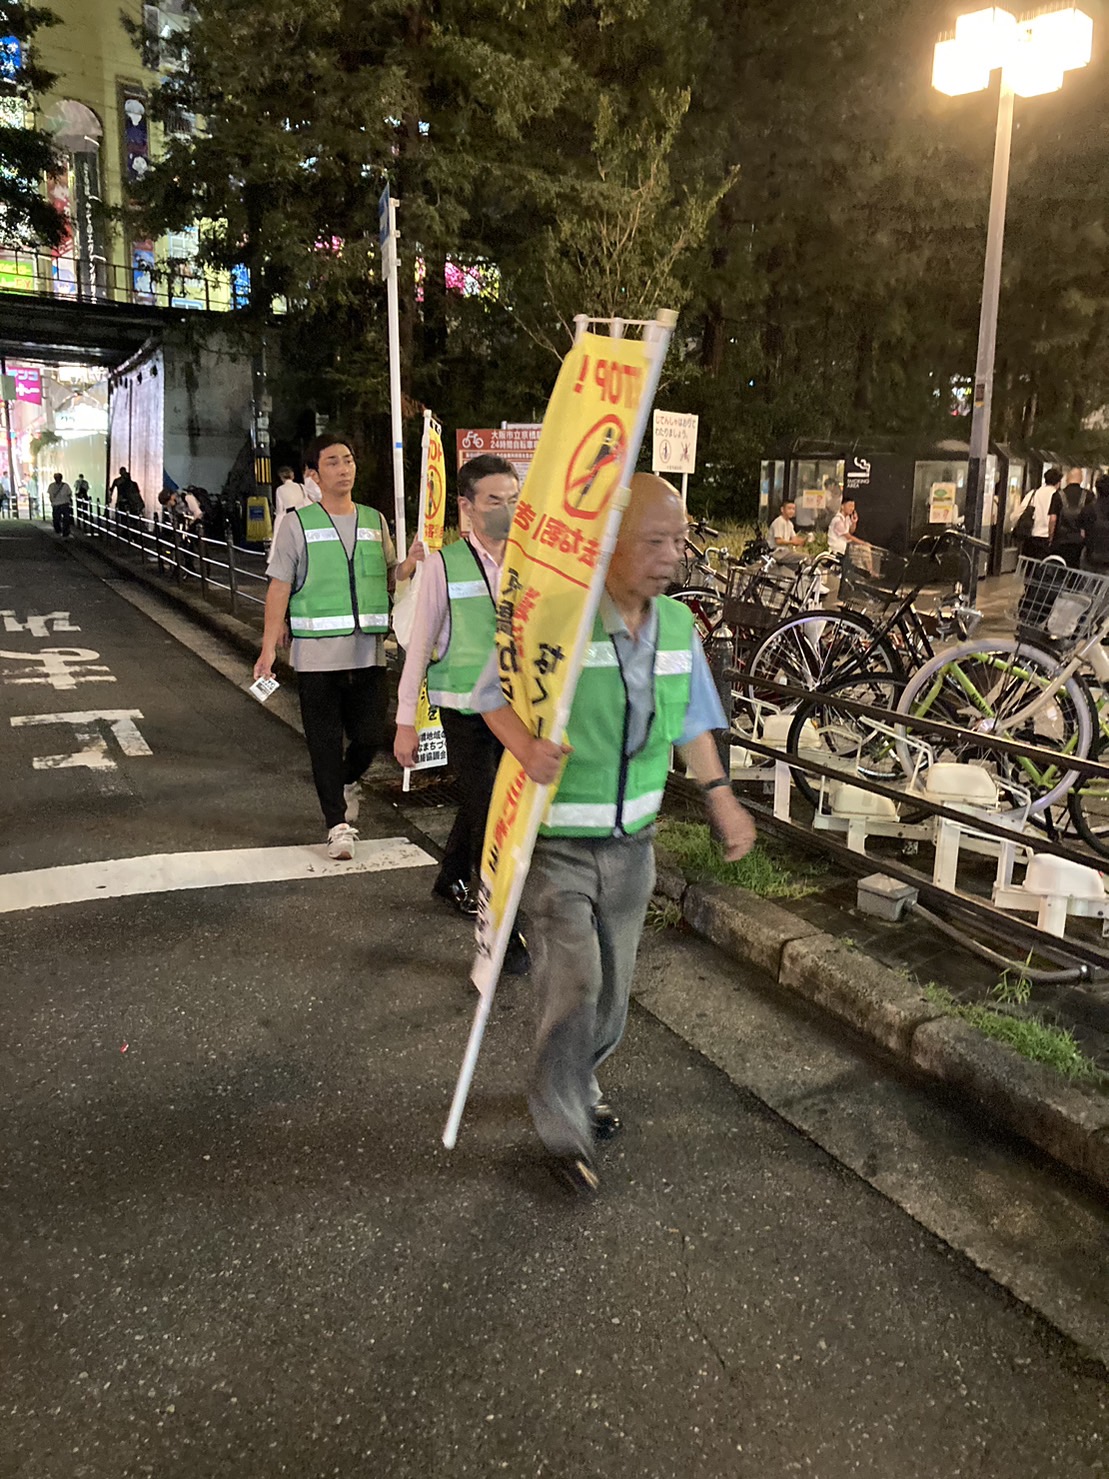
[879,627]
[1029,687]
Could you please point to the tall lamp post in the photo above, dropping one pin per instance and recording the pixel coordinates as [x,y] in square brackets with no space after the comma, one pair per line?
[1033,51]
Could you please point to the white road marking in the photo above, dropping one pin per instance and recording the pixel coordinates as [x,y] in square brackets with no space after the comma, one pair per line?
[57,663]
[168,872]
[36,625]
[93,754]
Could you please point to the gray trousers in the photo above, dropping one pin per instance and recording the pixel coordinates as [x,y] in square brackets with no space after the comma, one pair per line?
[586,899]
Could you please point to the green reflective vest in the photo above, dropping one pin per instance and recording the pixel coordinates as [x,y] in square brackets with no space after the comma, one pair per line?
[452,677]
[602,790]
[340,596]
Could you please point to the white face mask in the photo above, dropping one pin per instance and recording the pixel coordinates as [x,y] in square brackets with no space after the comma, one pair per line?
[494,523]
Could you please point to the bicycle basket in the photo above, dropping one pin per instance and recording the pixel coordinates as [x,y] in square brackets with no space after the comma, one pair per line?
[870,572]
[1060,604]
[758,597]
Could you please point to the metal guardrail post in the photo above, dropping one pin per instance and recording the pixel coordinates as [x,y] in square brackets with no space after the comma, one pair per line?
[232,583]
[177,554]
[202,564]
[158,549]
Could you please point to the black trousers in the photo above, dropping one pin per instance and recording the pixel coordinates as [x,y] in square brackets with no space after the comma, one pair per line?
[63,518]
[475,752]
[351,704]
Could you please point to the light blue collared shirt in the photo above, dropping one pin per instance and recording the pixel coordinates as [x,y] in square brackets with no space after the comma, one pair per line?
[637,663]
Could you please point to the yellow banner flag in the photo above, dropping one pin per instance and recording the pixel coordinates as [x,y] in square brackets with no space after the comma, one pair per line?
[562,536]
[433,492]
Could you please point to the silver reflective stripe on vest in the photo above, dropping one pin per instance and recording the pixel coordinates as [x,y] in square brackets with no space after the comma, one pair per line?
[444,700]
[374,534]
[462,590]
[317,536]
[582,814]
[319,623]
[670,664]
[647,805]
[601,655]
[381,620]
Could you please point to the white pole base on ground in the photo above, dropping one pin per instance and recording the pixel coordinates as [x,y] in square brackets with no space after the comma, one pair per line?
[466,1075]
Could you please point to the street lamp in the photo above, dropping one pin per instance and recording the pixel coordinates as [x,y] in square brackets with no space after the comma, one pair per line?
[1033,51]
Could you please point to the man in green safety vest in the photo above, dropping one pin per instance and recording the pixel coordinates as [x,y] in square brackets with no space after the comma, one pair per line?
[451,641]
[332,569]
[645,687]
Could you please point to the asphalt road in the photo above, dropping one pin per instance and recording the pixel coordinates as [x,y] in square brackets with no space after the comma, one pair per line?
[233,1244]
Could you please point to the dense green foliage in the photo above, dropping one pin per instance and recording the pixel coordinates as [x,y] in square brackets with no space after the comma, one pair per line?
[26,154]
[782,174]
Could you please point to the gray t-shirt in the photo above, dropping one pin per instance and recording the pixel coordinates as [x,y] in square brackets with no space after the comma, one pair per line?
[289,561]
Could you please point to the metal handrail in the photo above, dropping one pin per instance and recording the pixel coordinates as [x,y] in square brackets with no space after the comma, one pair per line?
[186,555]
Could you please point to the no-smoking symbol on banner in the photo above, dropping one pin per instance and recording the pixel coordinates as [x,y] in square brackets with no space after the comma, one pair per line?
[594,471]
[436,488]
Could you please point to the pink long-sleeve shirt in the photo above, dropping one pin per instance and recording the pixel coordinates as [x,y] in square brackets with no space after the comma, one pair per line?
[431,628]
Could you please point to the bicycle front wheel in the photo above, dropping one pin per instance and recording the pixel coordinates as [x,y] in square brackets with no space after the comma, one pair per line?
[812,648]
[707,607]
[1009,690]
[1088,804]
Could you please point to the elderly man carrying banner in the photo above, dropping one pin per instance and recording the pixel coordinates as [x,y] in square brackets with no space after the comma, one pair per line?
[645,686]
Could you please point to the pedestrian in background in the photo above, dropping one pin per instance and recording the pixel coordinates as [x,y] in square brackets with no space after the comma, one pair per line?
[645,687]
[332,571]
[1066,510]
[61,505]
[1094,522]
[1034,524]
[81,496]
[288,495]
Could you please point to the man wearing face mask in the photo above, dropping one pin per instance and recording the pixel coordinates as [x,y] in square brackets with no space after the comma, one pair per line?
[452,638]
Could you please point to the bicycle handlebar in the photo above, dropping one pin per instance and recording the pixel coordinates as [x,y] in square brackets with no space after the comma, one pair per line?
[703,530]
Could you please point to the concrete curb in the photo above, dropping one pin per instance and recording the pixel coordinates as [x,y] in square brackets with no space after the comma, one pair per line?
[1069,1125]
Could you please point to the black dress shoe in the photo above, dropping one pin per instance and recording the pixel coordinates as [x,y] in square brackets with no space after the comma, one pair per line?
[607,1124]
[577,1173]
[456,893]
[517,961]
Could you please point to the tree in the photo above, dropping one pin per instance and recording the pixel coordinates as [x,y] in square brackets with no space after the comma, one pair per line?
[27,218]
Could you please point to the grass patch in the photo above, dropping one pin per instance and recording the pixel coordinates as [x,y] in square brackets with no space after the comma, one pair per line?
[768,870]
[664,915]
[1031,1037]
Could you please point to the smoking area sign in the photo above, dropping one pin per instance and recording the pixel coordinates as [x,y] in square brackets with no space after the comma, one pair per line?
[675,442]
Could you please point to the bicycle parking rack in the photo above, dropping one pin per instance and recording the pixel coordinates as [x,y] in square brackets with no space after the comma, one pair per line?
[958,819]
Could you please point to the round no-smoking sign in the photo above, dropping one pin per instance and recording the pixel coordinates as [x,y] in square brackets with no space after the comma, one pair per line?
[594,471]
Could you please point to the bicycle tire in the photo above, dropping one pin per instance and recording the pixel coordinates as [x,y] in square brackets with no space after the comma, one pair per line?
[846,735]
[800,651]
[942,689]
[1088,803]
[707,607]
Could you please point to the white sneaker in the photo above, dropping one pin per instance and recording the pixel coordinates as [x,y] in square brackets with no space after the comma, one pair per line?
[340,842]
[352,795]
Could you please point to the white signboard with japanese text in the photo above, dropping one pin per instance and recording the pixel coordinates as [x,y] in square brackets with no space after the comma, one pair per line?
[675,443]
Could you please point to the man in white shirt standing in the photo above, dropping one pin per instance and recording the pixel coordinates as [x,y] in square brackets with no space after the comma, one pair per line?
[453,635]
[289,495]
[841,531]
[1037,544]
[61,505]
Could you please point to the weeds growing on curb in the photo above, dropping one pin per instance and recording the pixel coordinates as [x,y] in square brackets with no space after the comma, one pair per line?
[768,870]
[663,916]
[1014,986]
[1031,1037]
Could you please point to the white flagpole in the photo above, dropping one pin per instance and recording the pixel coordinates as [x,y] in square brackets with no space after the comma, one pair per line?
[389,272]
[421,520]
[486,974]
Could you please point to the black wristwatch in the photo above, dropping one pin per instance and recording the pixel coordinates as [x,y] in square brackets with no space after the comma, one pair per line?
[721,780]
